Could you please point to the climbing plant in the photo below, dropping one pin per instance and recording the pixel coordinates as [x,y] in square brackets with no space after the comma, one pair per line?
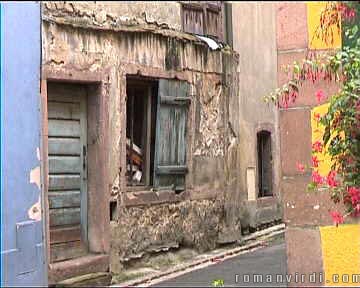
[341,122]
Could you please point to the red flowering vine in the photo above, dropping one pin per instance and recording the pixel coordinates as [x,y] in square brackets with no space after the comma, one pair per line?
[316,178]
[315,161]
[300,167]
[330,179]
[320,95]
[337,218]
[317,146]
[317,116]
[341,122]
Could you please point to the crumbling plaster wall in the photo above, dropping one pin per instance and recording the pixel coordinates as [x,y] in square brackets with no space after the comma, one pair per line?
[112,13]
[141,232]
[76,41]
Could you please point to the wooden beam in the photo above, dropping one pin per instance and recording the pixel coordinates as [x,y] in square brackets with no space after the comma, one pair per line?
[171,170]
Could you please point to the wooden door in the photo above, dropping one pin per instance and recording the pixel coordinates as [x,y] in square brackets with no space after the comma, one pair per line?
[67,193]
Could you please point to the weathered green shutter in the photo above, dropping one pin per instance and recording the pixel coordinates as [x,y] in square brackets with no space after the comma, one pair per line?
[170,145]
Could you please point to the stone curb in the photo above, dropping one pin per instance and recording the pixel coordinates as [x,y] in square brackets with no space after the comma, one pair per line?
[211,260]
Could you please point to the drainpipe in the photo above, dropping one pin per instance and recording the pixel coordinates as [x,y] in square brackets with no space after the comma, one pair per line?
[228,35]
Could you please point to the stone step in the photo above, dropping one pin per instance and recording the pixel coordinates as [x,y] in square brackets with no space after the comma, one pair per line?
[91,263]
[88,280]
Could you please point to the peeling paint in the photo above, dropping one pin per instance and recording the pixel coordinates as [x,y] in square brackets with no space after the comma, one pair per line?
[34,212]
[108,14]
[211,133]
[35,176]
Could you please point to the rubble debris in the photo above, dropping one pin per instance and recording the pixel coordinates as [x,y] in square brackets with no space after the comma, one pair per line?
[134,162]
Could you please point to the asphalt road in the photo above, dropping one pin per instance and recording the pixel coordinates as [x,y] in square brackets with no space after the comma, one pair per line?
[266,261]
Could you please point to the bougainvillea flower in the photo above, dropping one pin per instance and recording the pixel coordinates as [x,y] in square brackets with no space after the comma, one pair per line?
[349,160]
[330,179]
[317,116]
[354,193]
[300,167]
[346,11]
[316,177]
[337,218]
[351,14]
[357,210]
[315,161]
[320,95]
[317,146]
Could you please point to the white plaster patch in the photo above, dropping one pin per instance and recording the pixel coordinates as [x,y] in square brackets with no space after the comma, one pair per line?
[316,207]
[250,181]
[292,206]
[38,153]
[34,212]
[35,176]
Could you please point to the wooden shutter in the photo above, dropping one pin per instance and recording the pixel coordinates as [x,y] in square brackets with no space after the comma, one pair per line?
[170,145]
[203,18]
[193,19]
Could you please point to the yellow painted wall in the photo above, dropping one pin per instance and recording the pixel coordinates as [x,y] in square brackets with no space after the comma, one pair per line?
[313,20]
[341,254]
[317,135]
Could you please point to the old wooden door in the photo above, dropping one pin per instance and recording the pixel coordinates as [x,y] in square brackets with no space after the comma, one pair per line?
[67,193]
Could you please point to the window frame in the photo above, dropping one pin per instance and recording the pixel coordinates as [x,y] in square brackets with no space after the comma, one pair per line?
[260,135]
[147,85]
[153,167]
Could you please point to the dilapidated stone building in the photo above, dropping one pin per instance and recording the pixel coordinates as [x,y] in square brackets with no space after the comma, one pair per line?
[153,138]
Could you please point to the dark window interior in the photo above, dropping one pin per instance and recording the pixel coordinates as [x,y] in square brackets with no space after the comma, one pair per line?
[264,163]
[140,131]
[113,211]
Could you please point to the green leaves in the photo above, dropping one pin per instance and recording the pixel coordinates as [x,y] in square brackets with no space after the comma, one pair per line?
[326,136]
[217,283]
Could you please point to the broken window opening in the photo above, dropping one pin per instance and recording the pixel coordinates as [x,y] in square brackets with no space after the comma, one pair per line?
[140,131]
[264,164]
[113,211]
[156,132]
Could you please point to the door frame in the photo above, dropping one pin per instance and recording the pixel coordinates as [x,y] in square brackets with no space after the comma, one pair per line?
[98,198]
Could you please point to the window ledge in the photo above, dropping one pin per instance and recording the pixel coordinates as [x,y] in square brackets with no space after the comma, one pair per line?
[149,197]
[267,201]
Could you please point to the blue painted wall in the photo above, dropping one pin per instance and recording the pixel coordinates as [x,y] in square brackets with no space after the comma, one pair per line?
[22,243]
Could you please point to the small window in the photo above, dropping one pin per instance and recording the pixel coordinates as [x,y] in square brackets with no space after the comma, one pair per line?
[264,163]
[203,18]
[156,129]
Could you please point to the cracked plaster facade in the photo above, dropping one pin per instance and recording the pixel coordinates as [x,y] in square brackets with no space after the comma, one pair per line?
[116,39]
